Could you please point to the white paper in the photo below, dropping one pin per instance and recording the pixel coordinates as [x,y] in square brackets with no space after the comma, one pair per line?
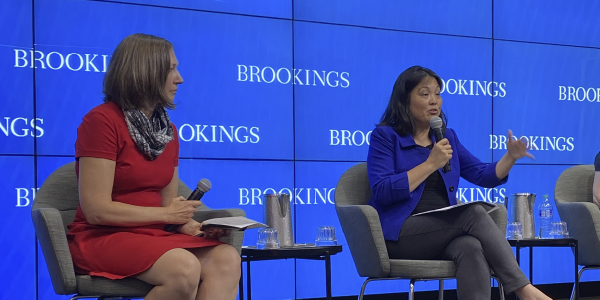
[239,223]
[488,206]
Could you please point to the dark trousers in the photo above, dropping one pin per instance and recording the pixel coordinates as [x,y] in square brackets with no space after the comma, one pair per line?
[469,237]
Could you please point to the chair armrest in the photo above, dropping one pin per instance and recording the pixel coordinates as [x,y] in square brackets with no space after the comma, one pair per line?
[237,236]
[583,223]
[51,234]
[364,236]
[500,217]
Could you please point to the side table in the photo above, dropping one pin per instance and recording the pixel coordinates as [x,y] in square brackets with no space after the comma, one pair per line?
[250,254]
[531,243]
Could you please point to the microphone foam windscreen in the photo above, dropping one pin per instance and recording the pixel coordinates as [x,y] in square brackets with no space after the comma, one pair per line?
[204,185]
[435,122]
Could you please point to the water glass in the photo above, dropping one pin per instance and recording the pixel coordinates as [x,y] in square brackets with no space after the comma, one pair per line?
[267,239]
[514,231]
[558,230]
[325,236]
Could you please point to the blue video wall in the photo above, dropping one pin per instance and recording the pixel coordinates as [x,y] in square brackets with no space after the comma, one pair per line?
[282,96]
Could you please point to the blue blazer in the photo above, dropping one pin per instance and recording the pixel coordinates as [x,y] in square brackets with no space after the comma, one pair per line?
[391,156]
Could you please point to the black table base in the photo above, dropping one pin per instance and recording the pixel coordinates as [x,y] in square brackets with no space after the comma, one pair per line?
[531,243]
[250,254]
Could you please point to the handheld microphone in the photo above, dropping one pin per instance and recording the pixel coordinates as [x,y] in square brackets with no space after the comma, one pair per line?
[436,125]
[204,186]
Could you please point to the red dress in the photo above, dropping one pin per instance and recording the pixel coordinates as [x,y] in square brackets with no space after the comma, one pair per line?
[117,252]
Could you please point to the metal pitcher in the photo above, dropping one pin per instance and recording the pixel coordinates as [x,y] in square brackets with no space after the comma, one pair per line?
[520,209]
[278,215]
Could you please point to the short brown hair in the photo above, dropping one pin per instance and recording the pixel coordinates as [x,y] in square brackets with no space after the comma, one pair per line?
[138,71]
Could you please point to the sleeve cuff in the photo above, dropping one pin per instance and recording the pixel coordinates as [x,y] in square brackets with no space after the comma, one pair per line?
[96,154]
[491,180]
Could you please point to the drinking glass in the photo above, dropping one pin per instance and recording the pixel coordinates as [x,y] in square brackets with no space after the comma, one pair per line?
[558,230]
[325,236]
[267,239]
[514,231]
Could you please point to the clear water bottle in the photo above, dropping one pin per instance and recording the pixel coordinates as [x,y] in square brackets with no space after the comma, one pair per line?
[545,209]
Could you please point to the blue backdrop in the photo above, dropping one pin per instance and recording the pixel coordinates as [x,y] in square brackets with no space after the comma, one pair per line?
[282,95]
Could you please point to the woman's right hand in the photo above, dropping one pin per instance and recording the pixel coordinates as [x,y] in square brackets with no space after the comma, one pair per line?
[440,154]
[180,210]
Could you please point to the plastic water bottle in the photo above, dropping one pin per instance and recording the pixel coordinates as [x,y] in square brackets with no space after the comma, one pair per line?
[545,209]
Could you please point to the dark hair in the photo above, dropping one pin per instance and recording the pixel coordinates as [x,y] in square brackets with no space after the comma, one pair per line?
[397,114]
[138,71]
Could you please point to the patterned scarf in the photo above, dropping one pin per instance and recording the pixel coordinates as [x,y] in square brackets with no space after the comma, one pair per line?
[151,136]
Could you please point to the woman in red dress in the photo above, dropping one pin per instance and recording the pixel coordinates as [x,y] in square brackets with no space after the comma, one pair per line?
[127,153]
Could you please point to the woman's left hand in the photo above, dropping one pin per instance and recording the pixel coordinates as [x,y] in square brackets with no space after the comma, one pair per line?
[192,228]
[517,148]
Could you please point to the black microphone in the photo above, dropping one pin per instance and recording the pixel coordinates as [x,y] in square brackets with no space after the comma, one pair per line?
[204,186]
[436,125]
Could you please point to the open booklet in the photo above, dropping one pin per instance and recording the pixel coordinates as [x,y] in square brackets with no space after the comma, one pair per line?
[235,223]
[488,206]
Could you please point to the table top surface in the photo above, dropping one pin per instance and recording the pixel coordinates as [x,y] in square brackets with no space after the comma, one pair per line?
[291,252]
[543,242]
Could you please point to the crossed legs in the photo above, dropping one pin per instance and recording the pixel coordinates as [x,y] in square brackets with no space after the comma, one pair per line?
[470,238]
[204,273]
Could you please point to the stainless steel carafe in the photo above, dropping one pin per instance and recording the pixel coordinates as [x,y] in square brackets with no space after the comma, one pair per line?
[278,215]
[520,208]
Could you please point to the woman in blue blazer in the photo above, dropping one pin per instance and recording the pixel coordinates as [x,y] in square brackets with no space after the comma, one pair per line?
[404,166]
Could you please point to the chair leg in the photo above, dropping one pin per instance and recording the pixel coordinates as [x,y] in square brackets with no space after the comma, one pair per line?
[411,292]
[441,290]
[500,288]
[362,290]
[578,279]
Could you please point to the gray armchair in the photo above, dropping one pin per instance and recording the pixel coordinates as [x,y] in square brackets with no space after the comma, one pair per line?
[574,202]
[54,208]
[362,228]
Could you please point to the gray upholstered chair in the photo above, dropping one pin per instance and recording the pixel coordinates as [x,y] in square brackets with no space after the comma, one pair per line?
[362,228]
[574,202]
[54,208]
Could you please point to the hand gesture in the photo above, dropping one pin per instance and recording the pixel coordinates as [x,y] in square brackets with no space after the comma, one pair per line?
[440,154]
[517,148]
[180,210]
